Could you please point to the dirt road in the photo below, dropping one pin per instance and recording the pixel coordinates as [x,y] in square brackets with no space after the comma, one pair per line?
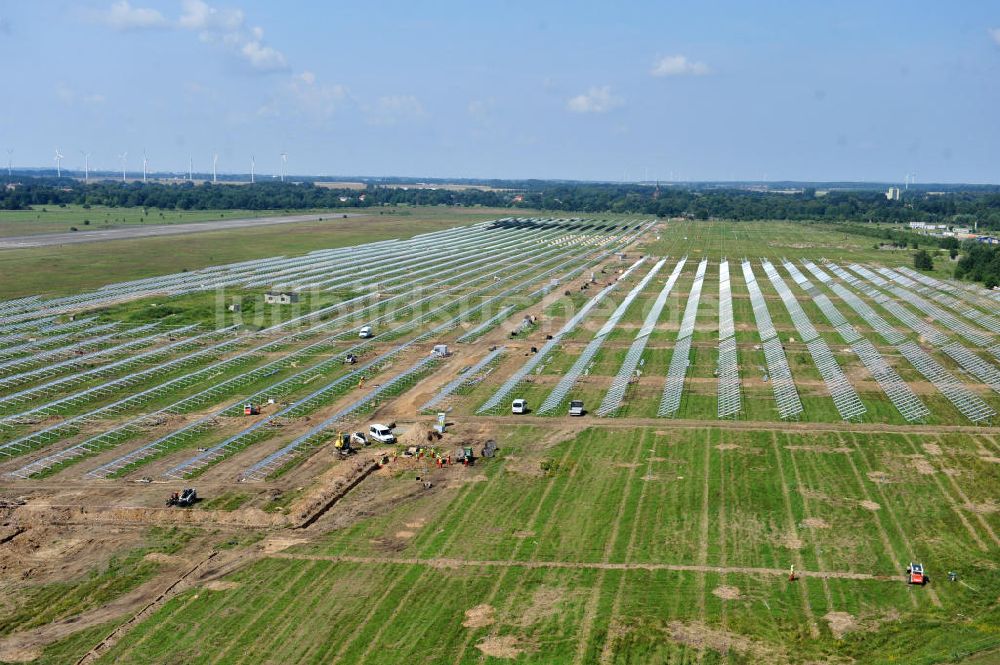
[131,232]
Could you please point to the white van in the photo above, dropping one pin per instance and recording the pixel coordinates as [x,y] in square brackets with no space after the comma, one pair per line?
[519,406]
[365,332]
[381,433]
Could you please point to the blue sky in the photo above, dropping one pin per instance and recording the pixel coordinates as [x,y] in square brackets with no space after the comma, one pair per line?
[584,90]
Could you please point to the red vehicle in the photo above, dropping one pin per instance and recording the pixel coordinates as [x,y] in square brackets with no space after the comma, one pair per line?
[915,574]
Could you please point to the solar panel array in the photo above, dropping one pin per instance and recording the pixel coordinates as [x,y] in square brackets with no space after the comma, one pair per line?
[899,393]
[511,383]
[974,365]
[801,322]
[280,458]
[673,387]
[947,319]
[959,300]
[780,375]
[616,393]
[130,428]
[256,431]
[967,402]
[845,398]
[469,375]
[871,317]
[569,379]
[729,402]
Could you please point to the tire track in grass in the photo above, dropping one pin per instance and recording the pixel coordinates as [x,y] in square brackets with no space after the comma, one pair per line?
[959,491]
[590,610]
[724,618]
[616,603]
[153,630]
[706,484]
[796,555]
[470,635]
[296,633]
[265,612]
[411,569]
[883,534]
[931,593]
[808,513]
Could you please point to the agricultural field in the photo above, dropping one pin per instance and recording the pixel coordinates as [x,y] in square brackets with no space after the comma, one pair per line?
[778,419]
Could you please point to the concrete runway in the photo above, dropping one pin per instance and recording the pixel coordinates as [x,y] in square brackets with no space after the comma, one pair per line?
[139,231]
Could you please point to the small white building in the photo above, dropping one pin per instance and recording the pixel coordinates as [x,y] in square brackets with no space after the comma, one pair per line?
[893,194]
[281,297]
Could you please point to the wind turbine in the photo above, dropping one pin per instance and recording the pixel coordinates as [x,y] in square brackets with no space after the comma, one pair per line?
[252,164]
[58,158]
[145,162]
[284,160]
[122,158]
[10,160]
[86,166]
[191,169]
[215,160]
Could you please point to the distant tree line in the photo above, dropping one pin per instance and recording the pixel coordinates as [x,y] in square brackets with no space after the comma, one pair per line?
[956,207]
[854,210]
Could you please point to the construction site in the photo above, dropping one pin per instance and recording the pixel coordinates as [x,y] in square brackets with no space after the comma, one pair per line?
[538,440]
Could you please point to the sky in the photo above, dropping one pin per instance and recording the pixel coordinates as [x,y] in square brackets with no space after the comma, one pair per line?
[630,90]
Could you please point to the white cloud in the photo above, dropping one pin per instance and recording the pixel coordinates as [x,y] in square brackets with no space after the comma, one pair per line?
[123,16]
[222,26]
[68,95]
[678,65]
[595,100]
[303,96]
[198,15]
[393,109]
[995,35]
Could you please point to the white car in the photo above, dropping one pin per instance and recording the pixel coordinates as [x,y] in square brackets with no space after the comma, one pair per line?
[381,433]
[519,406]
[365,332]
[576,407]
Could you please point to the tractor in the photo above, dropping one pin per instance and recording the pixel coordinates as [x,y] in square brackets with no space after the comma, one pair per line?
[915,574]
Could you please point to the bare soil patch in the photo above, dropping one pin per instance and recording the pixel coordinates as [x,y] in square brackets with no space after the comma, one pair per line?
[221,585]
[990,458]
[160,557]
[922,466]
[815,523]
[880,477]
[277,544]
[524,534]
[501,647]
[480,616]
[841,623]
[727,446]
[985,508]
[932,448]
[405,534]
[648,477]
[15,654]
[544,603]
[869,505]
[727,592]
[701,636]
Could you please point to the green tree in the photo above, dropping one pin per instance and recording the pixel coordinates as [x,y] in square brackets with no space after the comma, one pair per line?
[923,261]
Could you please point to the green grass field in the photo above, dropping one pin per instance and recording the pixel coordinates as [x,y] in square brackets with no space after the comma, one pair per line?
[638,545]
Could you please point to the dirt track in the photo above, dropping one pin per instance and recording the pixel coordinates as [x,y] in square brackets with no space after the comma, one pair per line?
[596,565]
[133,232]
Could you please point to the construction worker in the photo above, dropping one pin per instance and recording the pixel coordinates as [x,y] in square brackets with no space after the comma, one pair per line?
[361,382]
[791,573]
